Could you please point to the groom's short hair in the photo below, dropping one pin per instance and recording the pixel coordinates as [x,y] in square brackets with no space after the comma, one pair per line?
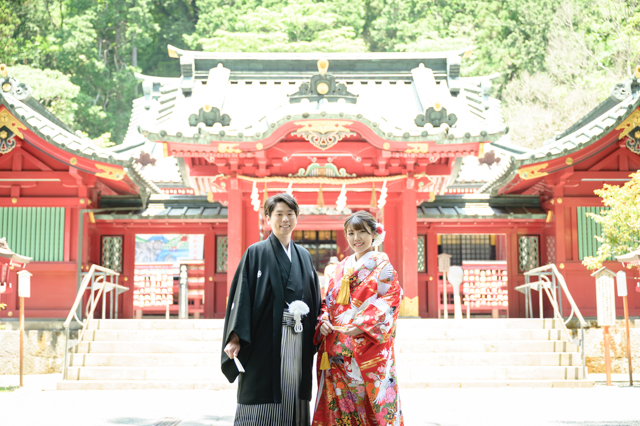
[271,202]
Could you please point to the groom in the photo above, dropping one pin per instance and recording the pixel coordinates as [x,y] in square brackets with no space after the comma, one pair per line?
[275,388]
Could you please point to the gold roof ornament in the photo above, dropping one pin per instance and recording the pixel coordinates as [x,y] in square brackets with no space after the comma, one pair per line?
[323,67]
[323,86]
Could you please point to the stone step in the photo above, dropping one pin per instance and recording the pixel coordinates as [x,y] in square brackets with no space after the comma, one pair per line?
[422,336]
[205,360]
[149,347]
[145,373]
[497,384]
[462,373]
[447,346]
[488,359]
[479,334]
[152,335]
[156,324]
[478,323]
[416,347]
[403,324]
[145,385]
[216,385]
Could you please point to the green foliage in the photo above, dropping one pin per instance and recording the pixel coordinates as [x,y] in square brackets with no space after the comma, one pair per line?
[51,88]
[620,224]
[299,26]
[104,141]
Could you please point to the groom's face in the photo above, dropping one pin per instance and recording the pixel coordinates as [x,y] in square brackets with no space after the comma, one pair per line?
[283,220]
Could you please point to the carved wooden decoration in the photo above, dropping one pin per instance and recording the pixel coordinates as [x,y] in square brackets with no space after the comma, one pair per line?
[323,134]
[631,129]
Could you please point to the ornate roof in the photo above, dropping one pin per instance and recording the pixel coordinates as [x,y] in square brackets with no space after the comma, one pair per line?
[19,104]
[471,173]
[195,208]
[240,97]
[610,115]
[476,206]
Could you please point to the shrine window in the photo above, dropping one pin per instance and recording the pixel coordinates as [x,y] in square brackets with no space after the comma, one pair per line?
[467,247]
[528,252]
[320,244]
[422,258]
[36,232]
[111,252]
[222,244]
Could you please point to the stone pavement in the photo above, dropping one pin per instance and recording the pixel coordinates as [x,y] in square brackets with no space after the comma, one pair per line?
[38,403]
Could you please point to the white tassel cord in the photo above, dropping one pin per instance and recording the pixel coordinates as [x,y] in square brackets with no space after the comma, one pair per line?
[299,309]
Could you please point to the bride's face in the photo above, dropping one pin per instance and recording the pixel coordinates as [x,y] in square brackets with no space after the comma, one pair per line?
[360,240]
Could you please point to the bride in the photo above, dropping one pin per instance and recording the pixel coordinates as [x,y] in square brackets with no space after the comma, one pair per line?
[356,330]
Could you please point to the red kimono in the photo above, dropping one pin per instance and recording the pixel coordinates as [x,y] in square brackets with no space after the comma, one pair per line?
[361,387]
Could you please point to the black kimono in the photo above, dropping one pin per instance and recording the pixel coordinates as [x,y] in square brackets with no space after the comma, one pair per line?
[265,281]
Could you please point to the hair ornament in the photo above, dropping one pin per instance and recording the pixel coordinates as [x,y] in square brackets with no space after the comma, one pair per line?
[381,234]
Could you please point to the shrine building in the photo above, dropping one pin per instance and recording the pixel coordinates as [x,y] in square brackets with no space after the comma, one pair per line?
[402,135]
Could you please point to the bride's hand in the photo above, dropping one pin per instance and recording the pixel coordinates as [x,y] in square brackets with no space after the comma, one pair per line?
[352,330]
[326,328]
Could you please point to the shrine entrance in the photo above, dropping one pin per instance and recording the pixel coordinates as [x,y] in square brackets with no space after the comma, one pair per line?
[165,265]
[320,244]
[484,289]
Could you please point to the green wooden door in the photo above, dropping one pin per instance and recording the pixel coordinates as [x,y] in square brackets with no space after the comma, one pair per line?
[37,232]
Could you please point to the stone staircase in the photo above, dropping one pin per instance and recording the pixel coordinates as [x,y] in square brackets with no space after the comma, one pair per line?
[147,354]
[185,354]
[486,353]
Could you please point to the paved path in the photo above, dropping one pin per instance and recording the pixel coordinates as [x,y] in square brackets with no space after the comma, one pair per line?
[39,404]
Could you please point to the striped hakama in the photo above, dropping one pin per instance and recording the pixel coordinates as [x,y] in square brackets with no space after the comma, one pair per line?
[292,411]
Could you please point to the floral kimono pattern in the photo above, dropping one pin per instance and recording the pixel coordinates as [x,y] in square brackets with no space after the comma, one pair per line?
[360,387]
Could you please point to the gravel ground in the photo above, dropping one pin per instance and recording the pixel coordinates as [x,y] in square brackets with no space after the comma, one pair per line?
[38,403]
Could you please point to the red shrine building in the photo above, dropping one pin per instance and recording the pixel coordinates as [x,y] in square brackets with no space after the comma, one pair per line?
[402,135]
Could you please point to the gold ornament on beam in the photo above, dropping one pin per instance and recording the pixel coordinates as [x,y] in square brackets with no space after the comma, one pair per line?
[320,202]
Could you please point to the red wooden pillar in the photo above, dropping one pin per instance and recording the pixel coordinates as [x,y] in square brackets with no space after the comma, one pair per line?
[209,273]
[235,230]
[251,226]
[343,246]
[409,251]
[513,274]
[128,271]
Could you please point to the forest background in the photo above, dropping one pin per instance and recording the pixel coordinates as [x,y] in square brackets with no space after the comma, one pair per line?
[551,61]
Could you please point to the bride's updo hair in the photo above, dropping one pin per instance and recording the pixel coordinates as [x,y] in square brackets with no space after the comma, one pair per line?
[361,220]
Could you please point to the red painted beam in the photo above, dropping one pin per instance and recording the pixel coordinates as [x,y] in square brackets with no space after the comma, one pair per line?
[43,202]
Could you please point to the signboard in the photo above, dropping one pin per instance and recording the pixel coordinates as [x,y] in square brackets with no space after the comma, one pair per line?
[605,298]
[622,283]
[169,248]
[24,284]
[444,262]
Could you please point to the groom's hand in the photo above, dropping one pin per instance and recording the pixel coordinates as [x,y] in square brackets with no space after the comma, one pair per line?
[233,347]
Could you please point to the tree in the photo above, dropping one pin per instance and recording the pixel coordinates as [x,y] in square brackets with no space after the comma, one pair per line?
[51,88]
[620,224]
